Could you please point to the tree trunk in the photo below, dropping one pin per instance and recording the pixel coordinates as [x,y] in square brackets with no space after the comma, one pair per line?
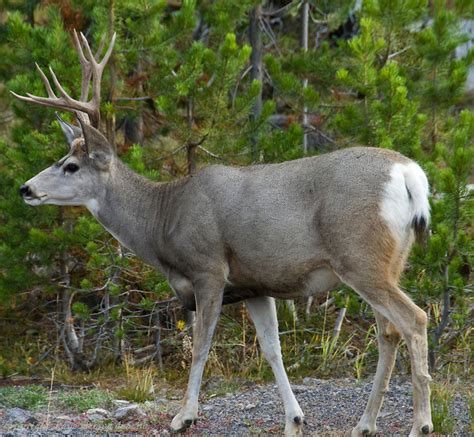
[110,121]
[71,342]
[304,47]
[133,126]
[256,72]
[191,146]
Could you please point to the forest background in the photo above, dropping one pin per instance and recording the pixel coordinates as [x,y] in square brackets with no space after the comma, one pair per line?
[193,83]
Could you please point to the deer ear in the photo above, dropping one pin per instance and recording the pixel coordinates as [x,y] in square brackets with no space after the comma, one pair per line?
[97,146]
[70,131]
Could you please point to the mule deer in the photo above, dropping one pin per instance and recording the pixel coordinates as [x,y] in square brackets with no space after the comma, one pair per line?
[256,233]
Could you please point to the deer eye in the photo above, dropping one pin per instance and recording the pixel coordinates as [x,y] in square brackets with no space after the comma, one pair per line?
[71,167]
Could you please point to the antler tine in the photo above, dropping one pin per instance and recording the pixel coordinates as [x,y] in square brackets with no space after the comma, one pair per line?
[40,100]
[85,68]
[107,55]
[46,83]
[67,98]
[100,48]
[99,65]
[97,69]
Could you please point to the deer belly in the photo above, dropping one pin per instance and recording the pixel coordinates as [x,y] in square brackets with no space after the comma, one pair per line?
[319,281]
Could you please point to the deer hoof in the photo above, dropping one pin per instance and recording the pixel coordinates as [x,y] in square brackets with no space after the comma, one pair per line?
[294,426]
[426,429]
[299,420]
[178,425]
[364,431]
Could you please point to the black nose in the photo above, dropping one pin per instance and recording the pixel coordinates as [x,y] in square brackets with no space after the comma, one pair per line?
[24,190]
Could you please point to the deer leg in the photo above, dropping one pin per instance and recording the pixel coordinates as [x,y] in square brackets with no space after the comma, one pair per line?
[388,339]
[411,322]
[262,310]
[208,307]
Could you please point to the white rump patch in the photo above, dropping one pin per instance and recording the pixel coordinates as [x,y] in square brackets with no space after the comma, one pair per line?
[405,197]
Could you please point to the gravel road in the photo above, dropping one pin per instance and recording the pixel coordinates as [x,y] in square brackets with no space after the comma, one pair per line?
[330,406]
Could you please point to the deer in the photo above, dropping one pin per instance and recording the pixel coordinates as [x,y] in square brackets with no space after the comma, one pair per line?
[256,234]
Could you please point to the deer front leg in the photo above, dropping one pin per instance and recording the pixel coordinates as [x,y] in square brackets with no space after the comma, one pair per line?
[388,339]
[262,310]
[208,306]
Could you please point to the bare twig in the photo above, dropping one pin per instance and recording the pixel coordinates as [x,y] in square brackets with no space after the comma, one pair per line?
[393,55]
[283,9]
[213,155]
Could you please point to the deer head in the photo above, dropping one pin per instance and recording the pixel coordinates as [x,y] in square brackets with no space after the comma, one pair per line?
[75,178]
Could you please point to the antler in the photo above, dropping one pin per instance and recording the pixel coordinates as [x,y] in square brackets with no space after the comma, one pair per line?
[87,110]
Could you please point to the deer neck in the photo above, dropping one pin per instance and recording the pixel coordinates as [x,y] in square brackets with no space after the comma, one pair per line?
[129,207]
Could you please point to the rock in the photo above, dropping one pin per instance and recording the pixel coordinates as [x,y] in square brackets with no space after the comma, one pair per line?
[299,388]
[99,411]
[95,417]
[63,417]
[154,402]
[250,406]
[97,414]
[19,415]
[120,403]
[207,408]
[313,381]
[127,412]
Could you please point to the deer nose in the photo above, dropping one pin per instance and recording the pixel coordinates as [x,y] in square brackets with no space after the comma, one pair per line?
[25,190]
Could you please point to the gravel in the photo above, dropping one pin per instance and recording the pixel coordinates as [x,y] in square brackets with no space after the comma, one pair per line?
[329,405]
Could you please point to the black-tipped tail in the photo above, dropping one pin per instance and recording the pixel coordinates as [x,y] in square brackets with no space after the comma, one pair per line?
[420,226]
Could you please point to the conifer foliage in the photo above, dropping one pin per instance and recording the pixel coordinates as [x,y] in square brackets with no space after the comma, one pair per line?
[179,94]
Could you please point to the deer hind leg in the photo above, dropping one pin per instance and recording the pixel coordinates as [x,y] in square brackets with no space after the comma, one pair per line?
[208,307]
[262,310]
[388,300]
[388,339]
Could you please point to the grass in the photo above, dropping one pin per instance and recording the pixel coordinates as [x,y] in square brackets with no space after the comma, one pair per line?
[81,400]
[31,397]
[138,385]
[362,354]
[442,398]
[471,411]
